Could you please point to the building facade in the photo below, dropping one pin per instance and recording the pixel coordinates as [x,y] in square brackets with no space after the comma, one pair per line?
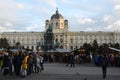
[67,39]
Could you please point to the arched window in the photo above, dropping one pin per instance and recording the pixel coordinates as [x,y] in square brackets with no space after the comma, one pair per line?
[61,47]
[56,40]
[71,40]
[32,47]
[51,24]
[57,24]
[61,40]
[27,47]
[76,47]
[56,35]
[46,24]
[22,47]
[66,23]
[71,47]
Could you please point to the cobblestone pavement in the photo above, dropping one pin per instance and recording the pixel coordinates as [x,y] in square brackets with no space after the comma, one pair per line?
[56,71]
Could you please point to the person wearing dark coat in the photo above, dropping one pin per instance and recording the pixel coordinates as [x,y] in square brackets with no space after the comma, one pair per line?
[6,62]
[30,64]
[68,60]
[104,63]
[72,64]
[17,63]
[10,63]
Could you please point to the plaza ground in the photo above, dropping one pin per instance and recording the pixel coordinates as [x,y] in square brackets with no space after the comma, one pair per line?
[57,71]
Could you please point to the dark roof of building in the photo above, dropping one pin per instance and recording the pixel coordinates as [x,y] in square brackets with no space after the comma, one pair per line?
[56,15]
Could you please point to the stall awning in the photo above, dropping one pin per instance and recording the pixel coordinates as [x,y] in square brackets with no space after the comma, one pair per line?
[63,50]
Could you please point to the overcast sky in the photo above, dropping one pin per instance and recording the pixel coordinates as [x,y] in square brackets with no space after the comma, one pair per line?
[83,15]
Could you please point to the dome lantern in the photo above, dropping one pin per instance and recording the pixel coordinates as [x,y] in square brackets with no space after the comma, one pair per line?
[56,15]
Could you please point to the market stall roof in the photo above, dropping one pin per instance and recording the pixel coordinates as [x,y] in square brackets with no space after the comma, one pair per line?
[59,50]
[2,49]
[63,50]
[51,51]
[16,50]
[114,49]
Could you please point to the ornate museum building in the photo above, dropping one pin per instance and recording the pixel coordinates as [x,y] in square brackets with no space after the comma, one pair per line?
[57,28]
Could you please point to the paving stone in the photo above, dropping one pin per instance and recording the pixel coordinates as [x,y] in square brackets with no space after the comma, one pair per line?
[56,71]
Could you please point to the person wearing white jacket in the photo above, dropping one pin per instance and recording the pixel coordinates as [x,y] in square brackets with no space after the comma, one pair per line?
[41,62]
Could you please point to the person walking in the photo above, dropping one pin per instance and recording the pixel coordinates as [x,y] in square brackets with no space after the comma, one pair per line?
[72,64]
[37,63]
[68,60]
[104,63]
[24,65]
[41,62]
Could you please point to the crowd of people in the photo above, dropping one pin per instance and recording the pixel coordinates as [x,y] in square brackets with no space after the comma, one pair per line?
[112,59]
[70,58]
[65,57]
[20,63]
[25,63]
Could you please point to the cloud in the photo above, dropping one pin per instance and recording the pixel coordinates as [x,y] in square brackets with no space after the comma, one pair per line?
[7,15]
[35,26]
[7,10]
[40,9]
[32,27]
[117,7]
[8,24]
[107,17]
[20,14]
[5,29]
[85,20]
[117,23]
[13,14]
[114,26]
[116,1]
[10,11]
[67,1]
[88,29]
[109,27]
[51,3]
[22,6]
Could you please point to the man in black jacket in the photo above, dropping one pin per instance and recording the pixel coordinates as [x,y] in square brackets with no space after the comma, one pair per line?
[104,65]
